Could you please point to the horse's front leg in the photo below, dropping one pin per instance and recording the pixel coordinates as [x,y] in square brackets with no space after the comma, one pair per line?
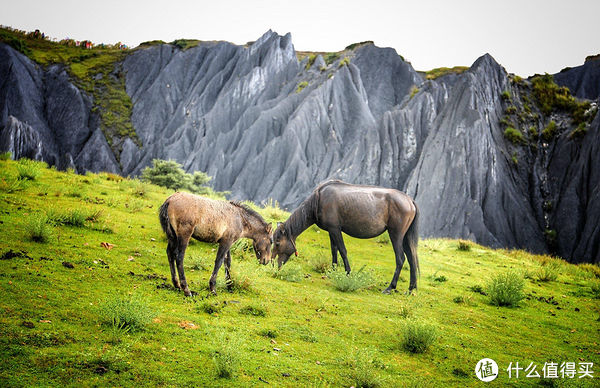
[334,251]
[336,237]
[221,254]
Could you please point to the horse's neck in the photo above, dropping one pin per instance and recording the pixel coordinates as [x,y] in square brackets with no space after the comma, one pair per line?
[253,229]
[301,218]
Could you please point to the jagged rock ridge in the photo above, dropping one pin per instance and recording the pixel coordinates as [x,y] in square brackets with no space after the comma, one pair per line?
[267,126]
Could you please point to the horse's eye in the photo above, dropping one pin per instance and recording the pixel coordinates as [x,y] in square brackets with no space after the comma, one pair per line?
[258,253]
[276,243]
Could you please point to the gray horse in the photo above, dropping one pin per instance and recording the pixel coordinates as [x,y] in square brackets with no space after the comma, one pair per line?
[361,212]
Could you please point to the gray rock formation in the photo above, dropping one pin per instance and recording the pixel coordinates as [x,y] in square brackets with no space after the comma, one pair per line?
[267,126]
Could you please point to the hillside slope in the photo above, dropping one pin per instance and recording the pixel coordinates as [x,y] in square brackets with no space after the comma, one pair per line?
[266,125]
[54,328]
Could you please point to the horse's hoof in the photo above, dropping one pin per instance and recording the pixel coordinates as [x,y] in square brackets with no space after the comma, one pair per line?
[187,293]
[387,291]
[412,292]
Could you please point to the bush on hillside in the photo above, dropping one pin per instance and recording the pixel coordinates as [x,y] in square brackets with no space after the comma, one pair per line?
[170,174]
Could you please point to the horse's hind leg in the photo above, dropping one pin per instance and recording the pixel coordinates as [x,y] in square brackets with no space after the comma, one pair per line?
[413,266]
[396,238]
[228,270]
[182,243]
[336,237]
[172,256]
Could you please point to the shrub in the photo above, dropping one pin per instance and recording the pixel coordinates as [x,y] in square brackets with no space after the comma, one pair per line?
[38,229]
[505,95]
[513,135]
[550,131]
[126,313]
[291,272]
[511,110]
[4,156]
[464,245]
[170,174]
[418,336]
[30,169]
[506,289]
[226,357]
[320,264]
[349,282]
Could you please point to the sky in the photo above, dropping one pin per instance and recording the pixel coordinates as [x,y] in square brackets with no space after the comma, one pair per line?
[524,36]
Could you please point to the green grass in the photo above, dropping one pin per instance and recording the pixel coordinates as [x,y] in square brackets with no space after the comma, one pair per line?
[53,331]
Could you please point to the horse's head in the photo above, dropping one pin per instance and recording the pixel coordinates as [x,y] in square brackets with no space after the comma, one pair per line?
[284,246]
[262,245]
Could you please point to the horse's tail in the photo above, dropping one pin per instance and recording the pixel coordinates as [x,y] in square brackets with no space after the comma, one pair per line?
[163,216]
[411,239]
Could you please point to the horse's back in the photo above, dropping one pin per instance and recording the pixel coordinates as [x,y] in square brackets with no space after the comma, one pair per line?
[206,219]
[362,211]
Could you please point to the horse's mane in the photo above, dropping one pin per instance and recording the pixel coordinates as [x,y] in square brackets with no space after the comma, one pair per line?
[251,212]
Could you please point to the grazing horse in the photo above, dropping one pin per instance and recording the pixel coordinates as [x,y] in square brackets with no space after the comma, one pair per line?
[186,215]
[359,211]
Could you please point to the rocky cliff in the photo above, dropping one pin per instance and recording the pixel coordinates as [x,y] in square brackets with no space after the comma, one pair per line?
[266,125]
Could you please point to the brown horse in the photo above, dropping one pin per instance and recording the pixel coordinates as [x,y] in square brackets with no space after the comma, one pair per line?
[184,215]
[359,211]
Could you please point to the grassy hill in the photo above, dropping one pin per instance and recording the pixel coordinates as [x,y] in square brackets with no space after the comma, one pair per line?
[58,297]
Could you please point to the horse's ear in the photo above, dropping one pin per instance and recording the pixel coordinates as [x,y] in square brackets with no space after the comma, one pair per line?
[269,228]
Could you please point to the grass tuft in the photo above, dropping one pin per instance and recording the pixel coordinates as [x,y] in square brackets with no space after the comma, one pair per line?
[38,230]
[418,336]
[127,314]
[506,289]
[226,357]
[320,264]
[464,245]
[30,169]
[349,282]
